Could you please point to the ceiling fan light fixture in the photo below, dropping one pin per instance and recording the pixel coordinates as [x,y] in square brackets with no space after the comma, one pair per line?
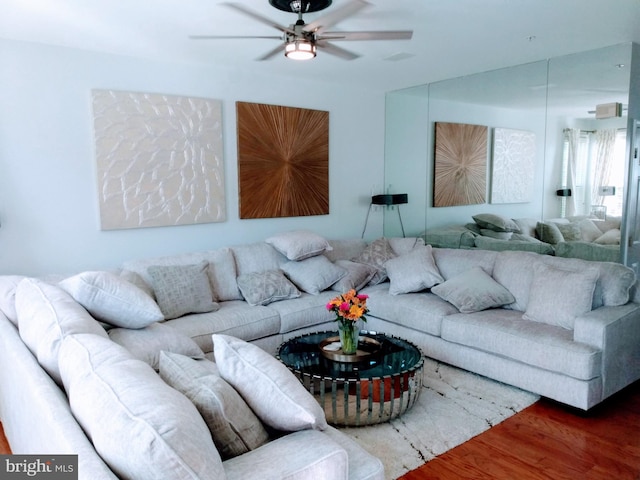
[300,49]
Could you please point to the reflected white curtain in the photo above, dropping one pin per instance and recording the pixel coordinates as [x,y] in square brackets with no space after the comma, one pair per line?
[572,136]
[605,141]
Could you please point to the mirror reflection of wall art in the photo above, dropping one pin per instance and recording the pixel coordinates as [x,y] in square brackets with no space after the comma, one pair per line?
[159,159]
[283,161]
[513,165]
[460,176]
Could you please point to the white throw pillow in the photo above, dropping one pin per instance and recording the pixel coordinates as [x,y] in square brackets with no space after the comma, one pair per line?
[139,425]
[413,272]
[376,254]
[182,289]
[274,393]
[146,343]
[112,299]
[234,427]
[299,244]
[558,296]
[313,275]
[473,291]
[357,277]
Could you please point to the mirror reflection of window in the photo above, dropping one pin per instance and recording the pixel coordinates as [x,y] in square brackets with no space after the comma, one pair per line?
[594,168]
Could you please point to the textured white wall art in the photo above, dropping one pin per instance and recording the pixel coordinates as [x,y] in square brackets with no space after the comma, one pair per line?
[513,165]
[159,159]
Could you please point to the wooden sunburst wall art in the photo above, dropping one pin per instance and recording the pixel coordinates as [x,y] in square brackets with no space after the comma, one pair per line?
[460,165]
[283,161]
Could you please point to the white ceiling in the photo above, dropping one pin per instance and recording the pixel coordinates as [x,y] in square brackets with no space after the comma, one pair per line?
[451,37]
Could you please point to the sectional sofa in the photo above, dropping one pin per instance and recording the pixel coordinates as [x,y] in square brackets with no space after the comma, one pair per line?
[566,329]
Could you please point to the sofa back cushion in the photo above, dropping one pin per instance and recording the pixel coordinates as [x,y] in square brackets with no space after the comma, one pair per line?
[514,270]
[345,249]
[139,425]
[452,262]
[46,315]
[221,270]
[8,285]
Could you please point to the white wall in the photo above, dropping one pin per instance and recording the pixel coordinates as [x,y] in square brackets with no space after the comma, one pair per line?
[48,190]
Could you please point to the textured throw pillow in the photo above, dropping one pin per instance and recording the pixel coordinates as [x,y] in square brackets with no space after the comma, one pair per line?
[496,222]
[299,244]
[357,277]
[46,315]
[112,299]
[146,343]
[473,291]
[182,289]
[558,296]
[376,254]
[402,245]
[139,425]
[413,272]
[234,427]
[274,394]
[549,232]
[314,274]
[263,288]
[570,231]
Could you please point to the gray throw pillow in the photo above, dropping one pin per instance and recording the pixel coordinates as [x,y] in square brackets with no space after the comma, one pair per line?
[313,275]
[558,296]
[263,288]
[147,343]
[357,277]
[549,232]
[182,289]
[272,391]
[113,299]
[473,291]
[234,427]
[571,232]
[413,272]
[495,222]
[376,254]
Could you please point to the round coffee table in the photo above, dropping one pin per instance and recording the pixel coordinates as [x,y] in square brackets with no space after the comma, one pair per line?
[377,385]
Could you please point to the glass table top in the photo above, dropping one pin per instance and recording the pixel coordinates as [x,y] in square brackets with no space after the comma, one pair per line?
[395,356]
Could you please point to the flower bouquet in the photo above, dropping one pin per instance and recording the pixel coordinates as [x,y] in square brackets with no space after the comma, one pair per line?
[350,309]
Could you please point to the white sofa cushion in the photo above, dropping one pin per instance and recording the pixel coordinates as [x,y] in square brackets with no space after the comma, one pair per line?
[274,394]
[182,289]
[47,314]
[558,295]
[171,439]
[112,299]
[313,275]
[299,244]
[413,272]
[473,291]
[146,343]
[263,288]
[234,427]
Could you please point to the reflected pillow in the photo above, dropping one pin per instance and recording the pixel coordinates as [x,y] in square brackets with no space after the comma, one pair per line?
[495,222]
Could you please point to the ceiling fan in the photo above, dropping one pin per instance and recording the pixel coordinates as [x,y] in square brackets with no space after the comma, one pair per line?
[301,40]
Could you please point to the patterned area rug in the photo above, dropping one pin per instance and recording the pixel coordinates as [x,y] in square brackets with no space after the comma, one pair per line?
[454,406]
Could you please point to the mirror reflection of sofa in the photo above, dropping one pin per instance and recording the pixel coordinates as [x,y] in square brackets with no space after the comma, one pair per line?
[582,237]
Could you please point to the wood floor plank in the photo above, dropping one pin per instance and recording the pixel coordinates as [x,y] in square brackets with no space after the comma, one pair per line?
[550,441]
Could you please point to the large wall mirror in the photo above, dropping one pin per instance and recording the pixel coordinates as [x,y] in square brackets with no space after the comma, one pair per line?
[516,140]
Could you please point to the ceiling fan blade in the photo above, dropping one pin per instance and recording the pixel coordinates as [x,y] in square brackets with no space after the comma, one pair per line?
[222,37]
[257,16]
[371,35]
[333,17]
[271,53]
[337,51]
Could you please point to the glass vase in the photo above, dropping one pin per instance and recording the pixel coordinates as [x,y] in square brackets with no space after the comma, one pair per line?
[349,332]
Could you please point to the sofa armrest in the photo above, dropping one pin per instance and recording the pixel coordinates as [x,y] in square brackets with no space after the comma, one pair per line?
[616,332]
[303,455]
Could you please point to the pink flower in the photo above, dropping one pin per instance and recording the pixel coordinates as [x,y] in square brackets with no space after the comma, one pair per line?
[362,296]
[345,306]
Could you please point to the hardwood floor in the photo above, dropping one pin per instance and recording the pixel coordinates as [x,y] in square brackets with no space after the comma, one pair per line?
[545,441]
[550,441]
